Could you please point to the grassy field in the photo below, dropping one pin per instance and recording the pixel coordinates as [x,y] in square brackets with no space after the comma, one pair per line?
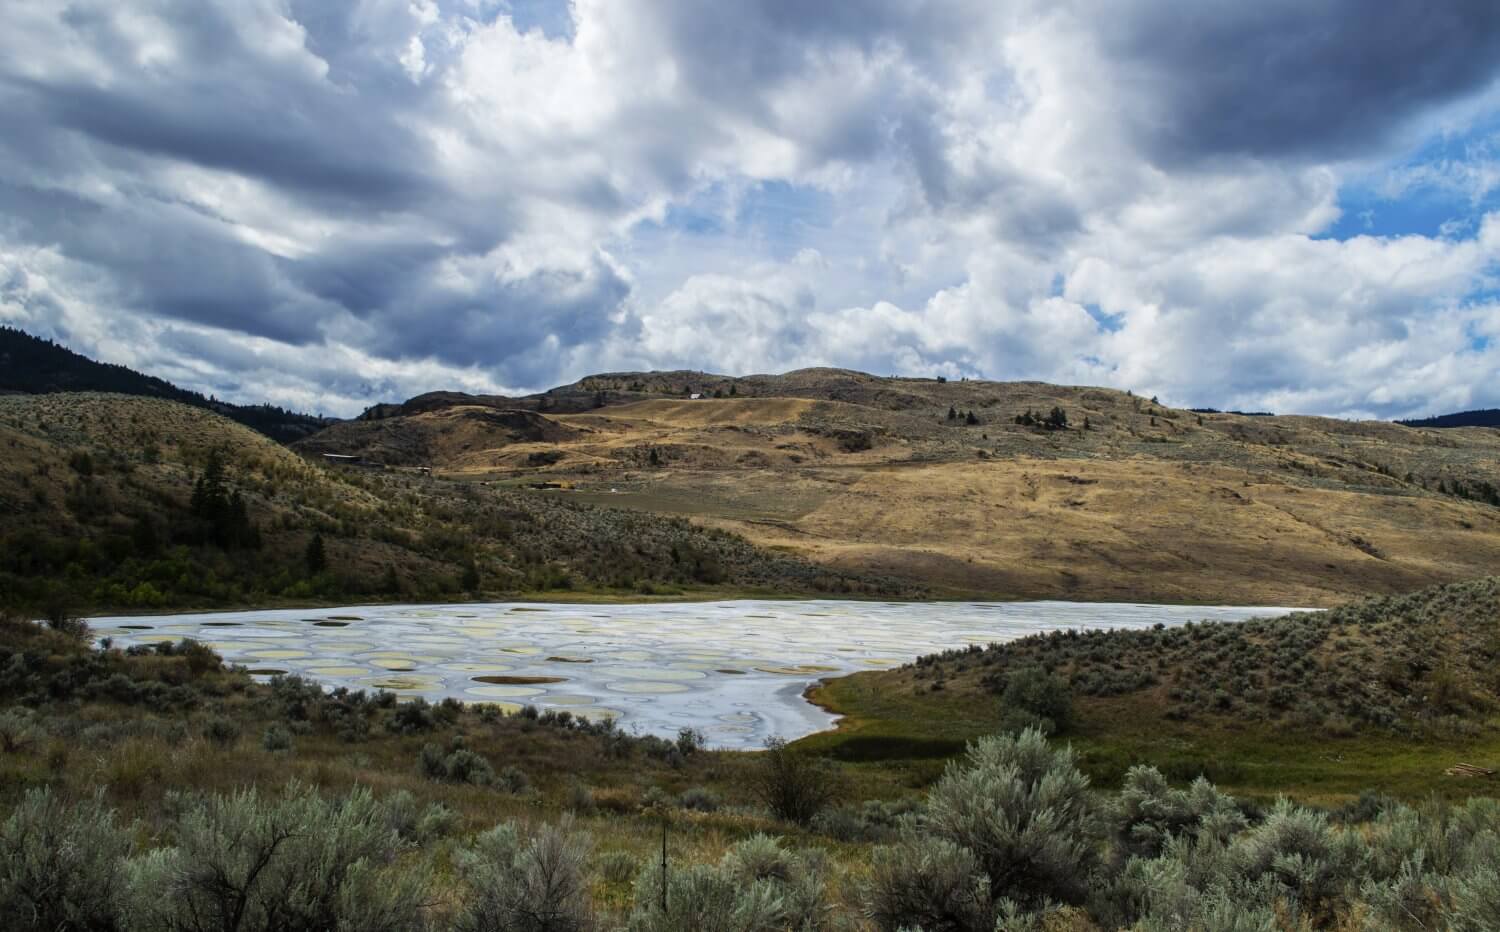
[168,740]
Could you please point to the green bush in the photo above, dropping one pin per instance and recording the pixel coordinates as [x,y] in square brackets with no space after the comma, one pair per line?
[297,862]
[458,765]
[756,887]
[1023,809]
[536,885]
[60,865]
[277,737]
[794,785]
[928,883]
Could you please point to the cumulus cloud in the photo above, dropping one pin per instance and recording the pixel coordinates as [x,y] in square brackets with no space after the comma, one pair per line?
[327,204]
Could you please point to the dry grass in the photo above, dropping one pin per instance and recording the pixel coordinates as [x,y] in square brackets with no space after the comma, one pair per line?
[868,475]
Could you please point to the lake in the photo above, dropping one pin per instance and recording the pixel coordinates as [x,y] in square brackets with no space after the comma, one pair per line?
[736,670]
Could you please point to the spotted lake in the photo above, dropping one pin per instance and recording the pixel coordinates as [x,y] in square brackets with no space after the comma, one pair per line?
[735,670]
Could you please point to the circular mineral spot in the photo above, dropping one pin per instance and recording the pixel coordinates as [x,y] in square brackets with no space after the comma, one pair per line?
[503,680]
[561,659]
[332,624]
[136,627]
[801,670]
[569,700]
[596,713]
[221,624]
[394,663]
[232,645]
[344,618]
[731,672]
[343,647]
[655,673]
[510,692]
[267,671]
[509,708]
[522,650]
[476,667]
[280,654]
[635,656]
[401,683]
[338,671]
[645,687]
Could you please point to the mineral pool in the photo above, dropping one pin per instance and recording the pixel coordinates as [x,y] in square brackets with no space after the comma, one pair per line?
[734,670]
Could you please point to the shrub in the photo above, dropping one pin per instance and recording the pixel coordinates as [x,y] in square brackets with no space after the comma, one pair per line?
[793,785]
[534,886]
[416,823]
[513,780]
[1024,811]
[221,731]
[18,729]
[756,887]
[295,862]
[412,717]
[689,741]
[698,799]
[1147,813]
[1034,697]
[60,864]
[458,765]
[931,884]
[276,738]
[617,867]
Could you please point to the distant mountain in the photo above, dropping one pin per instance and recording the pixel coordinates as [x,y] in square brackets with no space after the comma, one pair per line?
[1484,417]
[33,366]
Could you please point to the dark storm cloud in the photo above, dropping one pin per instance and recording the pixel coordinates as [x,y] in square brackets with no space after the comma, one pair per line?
[311,149]
[1291,78]
[518,329]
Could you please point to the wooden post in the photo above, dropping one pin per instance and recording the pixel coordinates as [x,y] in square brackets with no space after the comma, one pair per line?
[664,862]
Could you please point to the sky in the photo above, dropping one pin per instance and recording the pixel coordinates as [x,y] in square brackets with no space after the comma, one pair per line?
[1283,205]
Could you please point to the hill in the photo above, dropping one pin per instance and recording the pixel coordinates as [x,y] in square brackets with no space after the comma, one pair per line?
[1382,694]
[129,502]
[964,486]
[31,365]
[1485,417]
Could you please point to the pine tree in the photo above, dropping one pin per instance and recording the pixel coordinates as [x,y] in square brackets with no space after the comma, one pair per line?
[952,414]
[970,419]
[317,557]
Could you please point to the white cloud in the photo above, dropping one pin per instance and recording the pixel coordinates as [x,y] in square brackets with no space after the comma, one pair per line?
[433,196]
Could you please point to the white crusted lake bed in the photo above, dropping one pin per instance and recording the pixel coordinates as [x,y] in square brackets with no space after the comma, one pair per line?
[735,670]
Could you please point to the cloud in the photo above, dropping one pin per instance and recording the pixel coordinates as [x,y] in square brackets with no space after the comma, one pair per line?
[333,204]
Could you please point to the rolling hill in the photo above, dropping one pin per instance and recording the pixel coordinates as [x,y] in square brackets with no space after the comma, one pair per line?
[31,365]
[963,486]
[109,504]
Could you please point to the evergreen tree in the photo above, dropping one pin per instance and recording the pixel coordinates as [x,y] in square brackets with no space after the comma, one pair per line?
[470,580]
[317,556]
[952,414]
[1057,419]
[970,419]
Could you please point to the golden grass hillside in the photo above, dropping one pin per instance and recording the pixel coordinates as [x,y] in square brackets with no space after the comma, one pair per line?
[1131,500]
[105,509]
